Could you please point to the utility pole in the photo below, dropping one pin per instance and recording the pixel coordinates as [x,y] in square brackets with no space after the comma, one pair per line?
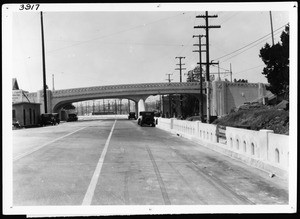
[200,74]
[208,63]
[230,73]
[44,66]
[93,107]
[170,108]
[219,78]
[120,106]
[86,108]
[52,82]
[169,78]
[81,108]
[180,67]
[103,106]
[272,28]
[180,79]
[128,106]
[161,105]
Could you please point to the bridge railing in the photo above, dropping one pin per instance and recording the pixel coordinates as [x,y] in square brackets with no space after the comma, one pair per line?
[262,149]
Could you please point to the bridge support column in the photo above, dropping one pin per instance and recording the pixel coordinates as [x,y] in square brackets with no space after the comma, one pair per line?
[141,106]
[136,108]
[218,98]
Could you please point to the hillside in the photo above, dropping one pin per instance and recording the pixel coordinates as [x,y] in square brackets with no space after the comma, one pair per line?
[256,117]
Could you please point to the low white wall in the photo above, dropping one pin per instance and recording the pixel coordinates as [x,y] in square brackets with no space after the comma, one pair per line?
[248,142]
[278,150]
[262,149]
[164,123]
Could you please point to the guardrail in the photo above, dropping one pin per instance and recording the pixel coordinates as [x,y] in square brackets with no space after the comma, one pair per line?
[262,149]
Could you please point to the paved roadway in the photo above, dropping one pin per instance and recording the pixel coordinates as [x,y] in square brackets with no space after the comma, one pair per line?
[117,162]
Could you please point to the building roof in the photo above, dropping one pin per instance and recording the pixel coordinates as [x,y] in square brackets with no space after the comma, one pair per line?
[15,85]
[20,103]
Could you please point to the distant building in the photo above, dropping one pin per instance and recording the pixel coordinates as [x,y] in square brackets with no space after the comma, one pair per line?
[24,112]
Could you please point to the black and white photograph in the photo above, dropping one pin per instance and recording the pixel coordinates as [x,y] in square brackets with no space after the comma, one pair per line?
[149,108]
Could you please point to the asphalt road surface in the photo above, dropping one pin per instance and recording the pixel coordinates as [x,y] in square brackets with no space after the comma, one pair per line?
[117,162]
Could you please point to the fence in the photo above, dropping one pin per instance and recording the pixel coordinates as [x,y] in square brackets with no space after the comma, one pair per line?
[262,149]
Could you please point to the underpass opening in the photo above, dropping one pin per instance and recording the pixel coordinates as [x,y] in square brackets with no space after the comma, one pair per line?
[98,108]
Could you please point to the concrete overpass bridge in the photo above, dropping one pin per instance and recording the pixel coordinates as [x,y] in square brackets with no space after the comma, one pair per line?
[224,95]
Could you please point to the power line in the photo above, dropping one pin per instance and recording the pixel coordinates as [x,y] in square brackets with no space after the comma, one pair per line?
[145,44]
[229,18]
[248,69]
[249,43]
[246,49]
[118,32]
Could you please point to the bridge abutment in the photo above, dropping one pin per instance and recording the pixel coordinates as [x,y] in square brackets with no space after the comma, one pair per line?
[218,98]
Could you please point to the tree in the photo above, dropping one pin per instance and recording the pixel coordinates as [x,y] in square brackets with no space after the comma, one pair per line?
[240,81]
[194,75]
[276,58]
[190,105]
[191,102]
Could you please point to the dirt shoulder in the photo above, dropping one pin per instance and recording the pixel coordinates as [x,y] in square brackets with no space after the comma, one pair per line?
[256,117]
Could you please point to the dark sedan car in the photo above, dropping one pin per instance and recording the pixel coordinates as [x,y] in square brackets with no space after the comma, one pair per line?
[131,115]
[146,118]
[72,117]
[49,119]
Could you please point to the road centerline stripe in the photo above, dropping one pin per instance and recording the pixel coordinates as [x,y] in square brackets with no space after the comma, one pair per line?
[92,186]
[37,148]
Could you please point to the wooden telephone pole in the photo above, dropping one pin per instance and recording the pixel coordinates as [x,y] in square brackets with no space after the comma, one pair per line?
[180,79]
[170,107]
[200,74]
[208,63]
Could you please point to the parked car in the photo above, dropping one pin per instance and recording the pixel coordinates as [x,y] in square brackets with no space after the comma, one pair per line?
[56,116]
[72,117]
[16,124]
[49,119]
[146,117]
[131,115]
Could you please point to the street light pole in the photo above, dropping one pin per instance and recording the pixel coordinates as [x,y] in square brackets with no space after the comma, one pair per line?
[272,28]
[44,67]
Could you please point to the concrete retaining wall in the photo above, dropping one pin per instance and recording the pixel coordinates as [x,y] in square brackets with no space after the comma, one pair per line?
[262,149]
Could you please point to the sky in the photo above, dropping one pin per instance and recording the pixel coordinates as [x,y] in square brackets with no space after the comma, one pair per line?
[106,47]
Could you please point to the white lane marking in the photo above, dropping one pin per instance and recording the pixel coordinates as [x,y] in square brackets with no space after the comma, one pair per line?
[91,189]
[37,148]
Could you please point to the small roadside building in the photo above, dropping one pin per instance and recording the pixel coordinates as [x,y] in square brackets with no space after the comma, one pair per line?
[25,112]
